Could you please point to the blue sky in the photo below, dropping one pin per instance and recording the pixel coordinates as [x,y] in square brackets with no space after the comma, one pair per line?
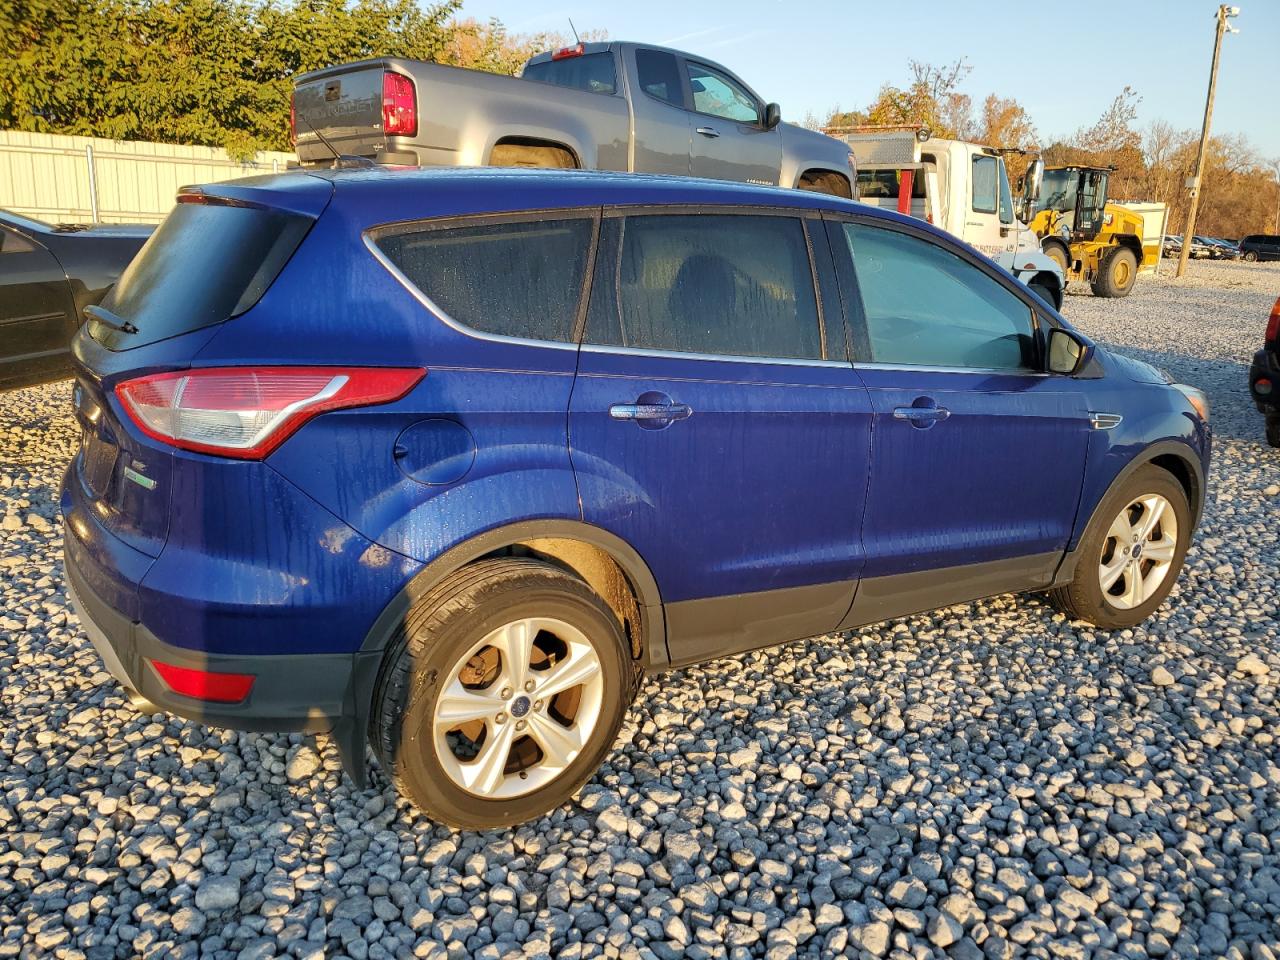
[818,54]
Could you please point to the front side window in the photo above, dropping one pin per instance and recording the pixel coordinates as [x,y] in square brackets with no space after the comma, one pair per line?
[738,285]
[513,279]
[717,95]
[925,306]
[659,75]
[985,179]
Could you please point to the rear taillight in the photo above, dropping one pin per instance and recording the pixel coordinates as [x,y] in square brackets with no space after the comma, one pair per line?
[205,684]
[399,106]
[1273,323]
[293,119]
[246,412]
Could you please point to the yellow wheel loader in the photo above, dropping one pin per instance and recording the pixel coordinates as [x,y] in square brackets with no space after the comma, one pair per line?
[1093,241]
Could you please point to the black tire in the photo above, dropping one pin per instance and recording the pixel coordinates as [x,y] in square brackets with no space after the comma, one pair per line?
[1059,255]
[1273,431]
[1250,256]
[443,626]
[1043,292]
[1117,273]
[1083,598]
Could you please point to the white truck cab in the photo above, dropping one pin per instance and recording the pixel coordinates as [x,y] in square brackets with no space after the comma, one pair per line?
[962,188]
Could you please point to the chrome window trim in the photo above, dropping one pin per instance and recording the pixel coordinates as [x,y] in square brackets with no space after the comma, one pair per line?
[721,358]
[924,368]
[418,294]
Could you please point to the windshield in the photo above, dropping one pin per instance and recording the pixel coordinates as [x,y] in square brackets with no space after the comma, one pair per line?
[1058,191]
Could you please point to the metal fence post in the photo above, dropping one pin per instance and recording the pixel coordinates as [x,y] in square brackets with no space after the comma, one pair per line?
[93,181]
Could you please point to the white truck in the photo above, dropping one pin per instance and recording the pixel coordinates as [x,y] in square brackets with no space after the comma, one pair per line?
[962,188]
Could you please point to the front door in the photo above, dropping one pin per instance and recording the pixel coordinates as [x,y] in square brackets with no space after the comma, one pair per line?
[729,138]
[37,318]
[717,426]
[978,455]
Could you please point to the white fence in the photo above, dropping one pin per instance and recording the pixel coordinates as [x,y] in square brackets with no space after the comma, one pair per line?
[88,179]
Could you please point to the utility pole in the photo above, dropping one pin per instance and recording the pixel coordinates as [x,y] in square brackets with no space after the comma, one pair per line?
[1224,13]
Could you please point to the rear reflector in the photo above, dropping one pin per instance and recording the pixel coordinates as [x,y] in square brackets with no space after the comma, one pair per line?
[399,106]
[205,684]
[564,53]
[246,412]
[1262,387]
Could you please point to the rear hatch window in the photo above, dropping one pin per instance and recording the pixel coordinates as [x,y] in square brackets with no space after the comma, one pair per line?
[207,262]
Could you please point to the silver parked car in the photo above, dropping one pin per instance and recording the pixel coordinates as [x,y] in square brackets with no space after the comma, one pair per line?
[594,106]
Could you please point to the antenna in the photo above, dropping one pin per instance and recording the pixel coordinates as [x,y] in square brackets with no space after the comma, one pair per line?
[339,159]
[576,39]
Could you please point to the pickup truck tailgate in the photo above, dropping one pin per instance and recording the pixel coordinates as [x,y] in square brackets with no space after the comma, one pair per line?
[345,105]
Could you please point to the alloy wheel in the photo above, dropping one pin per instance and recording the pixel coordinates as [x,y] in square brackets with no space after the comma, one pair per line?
[1138,551]
[518,708]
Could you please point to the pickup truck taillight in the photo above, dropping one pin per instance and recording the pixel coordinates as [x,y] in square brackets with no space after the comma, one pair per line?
[399,106]
[246,412]
[1273,325]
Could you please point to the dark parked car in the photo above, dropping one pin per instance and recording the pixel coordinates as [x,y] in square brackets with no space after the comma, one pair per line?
[48,274]
[1264,376]
[1260,246]
[449,459]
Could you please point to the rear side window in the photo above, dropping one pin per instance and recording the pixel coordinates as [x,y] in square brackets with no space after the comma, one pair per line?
[593,72]
[709,284]
[512,279]
[925,306]
[206,263]
[660,76]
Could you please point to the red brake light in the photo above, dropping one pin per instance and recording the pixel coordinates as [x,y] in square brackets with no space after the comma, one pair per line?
[564,53]
[399,105]
[1273,323]
[204,684]
[246,412]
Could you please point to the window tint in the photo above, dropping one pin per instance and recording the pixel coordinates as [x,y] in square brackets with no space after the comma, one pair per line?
[593,72]
[660,76]
[716,94]
[519,279]
[925,306]
[14,243]
[205,263]
[722,285]
[984,184]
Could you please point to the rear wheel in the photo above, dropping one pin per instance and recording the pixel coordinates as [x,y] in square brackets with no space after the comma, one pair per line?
[544,156]
[502,695]
[826,182]
[1116,273]
[1251,256]
[1131,553]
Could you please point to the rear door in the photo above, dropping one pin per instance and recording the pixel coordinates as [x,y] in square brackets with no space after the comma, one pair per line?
[36,312]
[717,427]
[978,455]
[729,139]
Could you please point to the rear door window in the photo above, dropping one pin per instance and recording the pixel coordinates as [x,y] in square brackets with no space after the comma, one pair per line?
[720,285]
[511,278]
[206,262]
[660,76]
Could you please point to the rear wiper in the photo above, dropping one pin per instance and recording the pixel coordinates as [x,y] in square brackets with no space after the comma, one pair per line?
[105,317]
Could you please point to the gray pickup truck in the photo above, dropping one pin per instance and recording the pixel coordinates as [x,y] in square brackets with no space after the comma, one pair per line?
[594,106]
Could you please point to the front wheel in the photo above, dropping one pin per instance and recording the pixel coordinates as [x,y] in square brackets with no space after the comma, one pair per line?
[1131,553]
[1116,273]
[502,694]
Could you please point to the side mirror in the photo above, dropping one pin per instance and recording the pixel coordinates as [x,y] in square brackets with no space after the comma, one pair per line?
[1068,352]
[772,115]
[1032,179]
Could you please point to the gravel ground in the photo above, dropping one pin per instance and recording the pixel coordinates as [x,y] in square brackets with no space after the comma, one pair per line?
[986,781]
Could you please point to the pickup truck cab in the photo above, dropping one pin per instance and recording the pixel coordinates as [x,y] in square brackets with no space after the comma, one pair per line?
[594,106]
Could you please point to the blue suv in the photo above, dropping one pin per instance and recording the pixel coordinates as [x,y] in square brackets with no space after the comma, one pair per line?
[446,461]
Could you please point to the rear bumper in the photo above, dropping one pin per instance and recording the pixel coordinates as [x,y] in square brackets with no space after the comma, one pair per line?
[1264,366]
[298,692]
